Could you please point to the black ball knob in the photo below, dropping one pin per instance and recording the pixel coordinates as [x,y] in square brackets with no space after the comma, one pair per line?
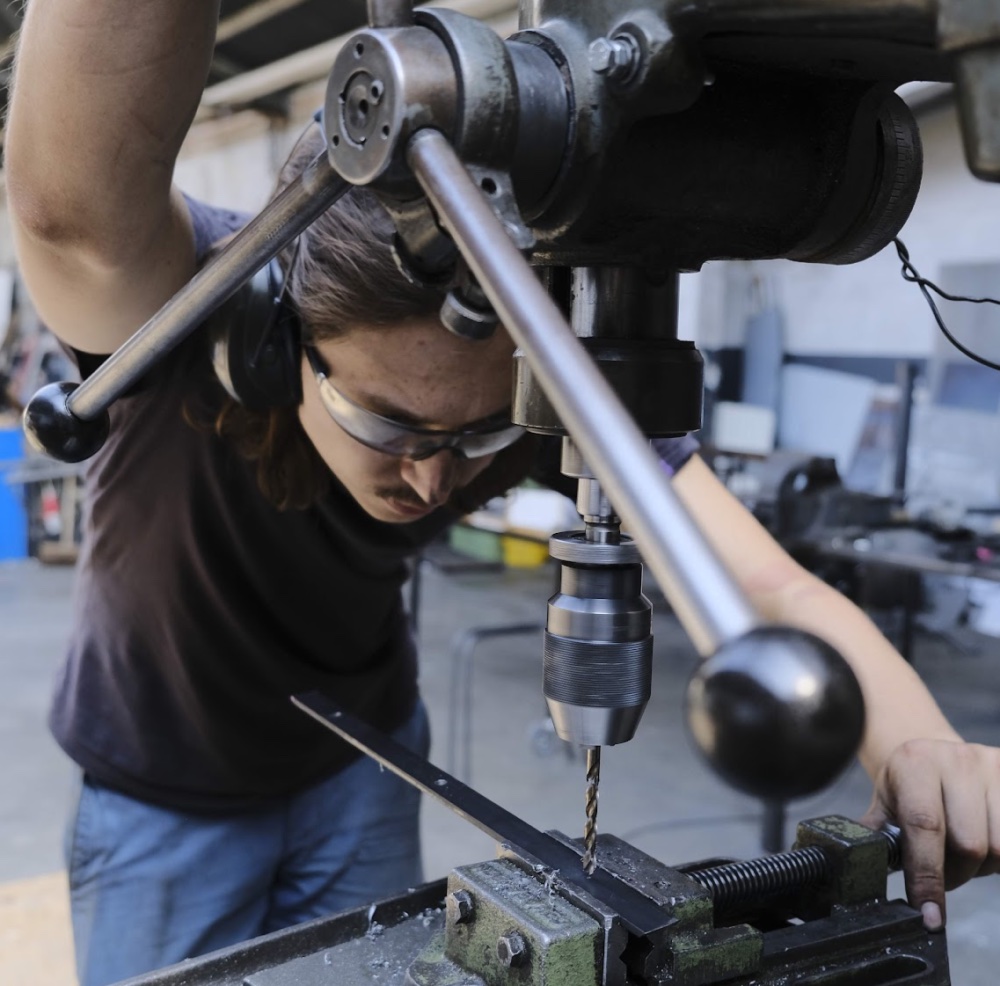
[54,429]
[778,713]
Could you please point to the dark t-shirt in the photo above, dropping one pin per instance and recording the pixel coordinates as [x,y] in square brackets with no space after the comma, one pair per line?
[200,607]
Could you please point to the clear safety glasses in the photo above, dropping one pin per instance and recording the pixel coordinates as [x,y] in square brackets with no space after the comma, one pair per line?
[408,441]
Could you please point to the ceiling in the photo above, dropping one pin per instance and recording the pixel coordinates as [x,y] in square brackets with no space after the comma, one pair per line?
[252,34]
[265,48]
[255,33]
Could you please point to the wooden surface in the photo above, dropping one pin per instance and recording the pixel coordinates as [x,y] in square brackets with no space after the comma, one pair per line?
[36,944]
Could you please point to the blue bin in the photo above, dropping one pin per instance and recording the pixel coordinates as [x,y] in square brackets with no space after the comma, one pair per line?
[13,519]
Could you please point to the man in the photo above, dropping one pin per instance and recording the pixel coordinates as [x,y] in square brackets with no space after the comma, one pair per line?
[235,556]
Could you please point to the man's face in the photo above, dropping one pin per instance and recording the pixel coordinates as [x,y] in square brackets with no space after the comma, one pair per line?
[419,374]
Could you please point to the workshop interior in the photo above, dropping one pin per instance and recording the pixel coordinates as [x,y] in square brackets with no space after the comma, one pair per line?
[767,223]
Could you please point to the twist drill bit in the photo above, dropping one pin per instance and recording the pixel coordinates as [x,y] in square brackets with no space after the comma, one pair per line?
[589,858]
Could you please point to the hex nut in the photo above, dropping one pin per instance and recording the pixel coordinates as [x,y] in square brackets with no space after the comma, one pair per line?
[616,57]
[460,907]
[512,950]
[601,55]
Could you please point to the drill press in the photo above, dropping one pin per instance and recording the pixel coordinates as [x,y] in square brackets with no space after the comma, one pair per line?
[598,649]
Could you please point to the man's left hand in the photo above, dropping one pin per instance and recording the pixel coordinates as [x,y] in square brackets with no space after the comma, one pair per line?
[945,797]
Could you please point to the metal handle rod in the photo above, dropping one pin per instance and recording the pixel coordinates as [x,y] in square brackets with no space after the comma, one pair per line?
[708,602]
[390,13]
[290,212]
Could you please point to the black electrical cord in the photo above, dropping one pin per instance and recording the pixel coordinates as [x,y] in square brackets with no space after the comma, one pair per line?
[911,274]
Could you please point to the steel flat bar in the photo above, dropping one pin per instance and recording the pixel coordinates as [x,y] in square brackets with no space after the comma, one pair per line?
[709,603]
[638,914]
[290,212]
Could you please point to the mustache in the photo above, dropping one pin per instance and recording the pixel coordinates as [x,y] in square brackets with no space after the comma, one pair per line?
[402,494]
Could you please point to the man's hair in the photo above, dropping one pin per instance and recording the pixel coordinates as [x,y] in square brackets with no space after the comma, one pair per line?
[343,276]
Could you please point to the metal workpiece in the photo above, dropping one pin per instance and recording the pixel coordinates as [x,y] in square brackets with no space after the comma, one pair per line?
[707,599]
[635,912]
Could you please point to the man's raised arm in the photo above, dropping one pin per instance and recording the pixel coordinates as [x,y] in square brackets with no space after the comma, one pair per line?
[103,95]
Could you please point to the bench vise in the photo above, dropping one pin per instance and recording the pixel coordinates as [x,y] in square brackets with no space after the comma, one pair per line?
[814,916]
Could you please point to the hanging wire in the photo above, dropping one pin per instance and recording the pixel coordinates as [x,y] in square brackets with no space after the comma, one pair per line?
[911,274]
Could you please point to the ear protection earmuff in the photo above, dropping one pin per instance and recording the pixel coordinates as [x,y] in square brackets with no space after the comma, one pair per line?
[257,343]
[257,339]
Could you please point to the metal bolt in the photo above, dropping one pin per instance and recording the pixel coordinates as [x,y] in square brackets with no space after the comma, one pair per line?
[460,907]
[512,950]
[617,57]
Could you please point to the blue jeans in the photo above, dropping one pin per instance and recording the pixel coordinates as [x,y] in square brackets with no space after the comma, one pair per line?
[150,886]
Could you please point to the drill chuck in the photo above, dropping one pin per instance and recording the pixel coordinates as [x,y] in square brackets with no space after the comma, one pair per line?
[598,652]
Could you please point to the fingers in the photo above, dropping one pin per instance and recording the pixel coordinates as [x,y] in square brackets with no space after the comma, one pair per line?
[967,817]
[945,797]
[991,756]
[915,796]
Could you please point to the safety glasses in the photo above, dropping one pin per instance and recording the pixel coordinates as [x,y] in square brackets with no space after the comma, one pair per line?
[407,441]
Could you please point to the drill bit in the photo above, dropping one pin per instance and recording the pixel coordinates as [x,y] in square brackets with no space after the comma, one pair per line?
[589,858]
